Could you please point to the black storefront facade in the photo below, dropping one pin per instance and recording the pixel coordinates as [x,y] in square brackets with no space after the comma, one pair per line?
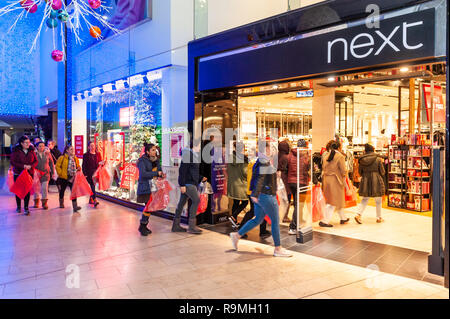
[332,38]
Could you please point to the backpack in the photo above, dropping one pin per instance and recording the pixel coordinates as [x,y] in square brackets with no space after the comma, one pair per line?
[255,175]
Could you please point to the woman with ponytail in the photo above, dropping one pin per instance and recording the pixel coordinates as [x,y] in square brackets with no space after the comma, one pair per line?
[333,175]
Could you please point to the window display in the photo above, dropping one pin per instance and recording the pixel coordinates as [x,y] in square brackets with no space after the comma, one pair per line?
[121,121]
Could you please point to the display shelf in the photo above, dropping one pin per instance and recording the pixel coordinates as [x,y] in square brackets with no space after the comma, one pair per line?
[420,169]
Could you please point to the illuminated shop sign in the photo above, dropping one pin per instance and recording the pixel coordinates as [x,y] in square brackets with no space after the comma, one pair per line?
[308,93]
[126,116]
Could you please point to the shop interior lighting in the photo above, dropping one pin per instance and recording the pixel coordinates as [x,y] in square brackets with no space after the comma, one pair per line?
[405,69]
[154,75]
[136,80]
[107,87]
[331,79]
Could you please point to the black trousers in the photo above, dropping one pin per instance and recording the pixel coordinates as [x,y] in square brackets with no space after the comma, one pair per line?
[238,207]
[250,214]
[26,200]
[63,183]
[92,184]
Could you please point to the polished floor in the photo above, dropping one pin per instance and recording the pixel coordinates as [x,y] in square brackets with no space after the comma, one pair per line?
[115,262]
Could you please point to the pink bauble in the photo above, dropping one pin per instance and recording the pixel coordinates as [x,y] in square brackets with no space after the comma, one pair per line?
[56,4]
[57,55]
[29,5]
[94,4]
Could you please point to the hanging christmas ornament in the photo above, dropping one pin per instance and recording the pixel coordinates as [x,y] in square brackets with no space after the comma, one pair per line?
[51,23]
[95,32]
[57,55]
[53,14]
[95,4]
[29,5]
[56,4]
[63,16]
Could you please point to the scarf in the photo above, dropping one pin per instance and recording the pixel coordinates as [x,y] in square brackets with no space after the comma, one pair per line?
[72,168]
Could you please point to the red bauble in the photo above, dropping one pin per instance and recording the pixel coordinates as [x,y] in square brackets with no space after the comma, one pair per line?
[95,4]
[57,55]
[29,5]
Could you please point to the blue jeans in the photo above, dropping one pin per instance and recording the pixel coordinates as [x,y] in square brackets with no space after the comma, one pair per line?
[267,205]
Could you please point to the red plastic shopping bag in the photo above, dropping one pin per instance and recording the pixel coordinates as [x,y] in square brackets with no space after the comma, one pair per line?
[36,189]
[318,204]
[22,185]
[203,205]
[10,179]
[160,199]
[350,194]
[80,186]
[103,177]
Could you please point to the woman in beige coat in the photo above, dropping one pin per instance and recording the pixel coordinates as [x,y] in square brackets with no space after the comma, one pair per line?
[333,176]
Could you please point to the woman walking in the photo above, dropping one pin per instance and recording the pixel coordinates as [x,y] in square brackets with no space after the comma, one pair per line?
[91,161]
[333,175]
[371,169]
[67,166]
[23,157]
[237,180]
[45,169]
[264,190]
[149,169]
[283,154]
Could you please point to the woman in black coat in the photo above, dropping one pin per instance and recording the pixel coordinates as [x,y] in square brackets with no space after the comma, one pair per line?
[91,161]
[149,168]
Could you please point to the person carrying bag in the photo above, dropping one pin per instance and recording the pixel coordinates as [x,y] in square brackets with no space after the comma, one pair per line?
[67,167]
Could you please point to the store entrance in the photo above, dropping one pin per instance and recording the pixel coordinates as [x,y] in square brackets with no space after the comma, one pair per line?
[401,112]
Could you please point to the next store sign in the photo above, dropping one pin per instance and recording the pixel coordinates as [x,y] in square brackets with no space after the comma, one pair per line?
[401,38]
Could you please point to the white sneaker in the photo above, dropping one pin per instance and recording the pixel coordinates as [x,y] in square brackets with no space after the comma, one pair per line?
[234,240]
[292,232]
[282,253]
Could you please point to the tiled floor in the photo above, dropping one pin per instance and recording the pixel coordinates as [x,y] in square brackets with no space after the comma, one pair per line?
[115,262]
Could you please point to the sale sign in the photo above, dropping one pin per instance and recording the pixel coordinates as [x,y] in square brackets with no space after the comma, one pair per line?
[79,146]
[129,176]
[438,103]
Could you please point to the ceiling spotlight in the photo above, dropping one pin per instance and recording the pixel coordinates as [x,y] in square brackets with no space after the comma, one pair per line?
[89,93]
[75,98]
[405,69]
[113,87]
[125,84]
[331,79]
[145,79]
[82,96]
[102,91]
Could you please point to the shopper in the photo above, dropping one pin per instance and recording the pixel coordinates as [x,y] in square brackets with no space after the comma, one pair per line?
[91,161]
[67,166]
[45,169]
[334,173]
[304,176]
[283,153]
[23,157]
[263,232]
[55,153]
[149,169]
[264,190]
[237,180]
[371,169]
[188,179]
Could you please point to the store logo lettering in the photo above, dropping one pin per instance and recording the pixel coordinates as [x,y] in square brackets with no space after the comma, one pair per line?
[387,41]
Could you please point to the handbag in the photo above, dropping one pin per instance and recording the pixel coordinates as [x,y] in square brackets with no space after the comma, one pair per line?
[350,194]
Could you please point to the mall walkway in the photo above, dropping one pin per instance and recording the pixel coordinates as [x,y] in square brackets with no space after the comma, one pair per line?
[115,262]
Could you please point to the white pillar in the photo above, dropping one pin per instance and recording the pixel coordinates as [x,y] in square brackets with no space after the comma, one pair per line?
[323,119]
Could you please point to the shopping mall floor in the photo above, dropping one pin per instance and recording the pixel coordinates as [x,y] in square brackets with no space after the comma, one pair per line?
[116,262]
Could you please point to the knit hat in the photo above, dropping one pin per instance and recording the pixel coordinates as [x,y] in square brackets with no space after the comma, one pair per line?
[301,143]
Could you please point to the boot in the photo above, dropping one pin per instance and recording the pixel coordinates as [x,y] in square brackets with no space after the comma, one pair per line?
[96,203]
[75,207]
[36,203]
[91,201]
[61,203]
[193,229]
[176,226]
[44,204]
[144,230]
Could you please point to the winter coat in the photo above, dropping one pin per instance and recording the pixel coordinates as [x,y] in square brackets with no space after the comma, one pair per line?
[90,163]
[189,171]
[371,169]
[62,166]
[304,163]
[19,159]
[283,153]
[55,153]
[333,177]
[249,176]
[45,166]
[237,178]
[147,171]
[266,182]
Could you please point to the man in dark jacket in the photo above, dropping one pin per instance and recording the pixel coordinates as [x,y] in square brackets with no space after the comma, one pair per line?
[371,169]
[91,161]
[188,179]
[23,158]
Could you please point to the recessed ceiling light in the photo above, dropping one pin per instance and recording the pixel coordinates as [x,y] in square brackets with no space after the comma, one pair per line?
[405,69]
[331,79]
